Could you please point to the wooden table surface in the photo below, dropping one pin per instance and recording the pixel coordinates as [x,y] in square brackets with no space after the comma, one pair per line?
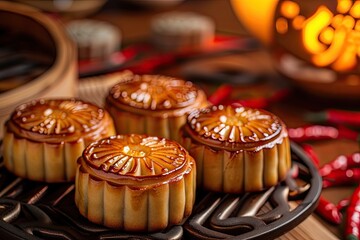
[134,23]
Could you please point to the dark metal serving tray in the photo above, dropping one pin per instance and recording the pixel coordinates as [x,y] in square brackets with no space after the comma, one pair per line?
[33,210]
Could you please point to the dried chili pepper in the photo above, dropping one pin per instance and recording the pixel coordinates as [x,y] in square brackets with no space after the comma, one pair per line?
[116,61]
[343,204]
[342,177]
[335,116]
[151,63]
[346,133]
[220,94]
[259,102]
[150,60]
[320,132]
[341,162]
[309,151]
[352,223]
[328,211]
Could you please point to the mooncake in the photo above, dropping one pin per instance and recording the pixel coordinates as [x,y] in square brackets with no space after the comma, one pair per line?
[135,183]
[237,149]
[155,105]
[44,138]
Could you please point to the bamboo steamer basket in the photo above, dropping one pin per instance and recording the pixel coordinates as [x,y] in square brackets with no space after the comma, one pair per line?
[78,8]
[60,77]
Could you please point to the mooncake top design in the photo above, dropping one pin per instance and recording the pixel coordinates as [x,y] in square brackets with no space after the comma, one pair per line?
[155,92]
[234,126]
[57,116]
[135,155]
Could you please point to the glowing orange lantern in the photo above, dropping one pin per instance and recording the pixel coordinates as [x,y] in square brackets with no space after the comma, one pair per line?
[316,43]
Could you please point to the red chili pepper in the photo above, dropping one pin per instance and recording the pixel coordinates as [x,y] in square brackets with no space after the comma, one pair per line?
[343,204]
[346,133]
[352,223]
[342,162]
[259,102]
[151,63]
[320,132]
[342,177]
[89,67]
[117,61]
[328,211]
[335,116]
[279,95]
[153,60]
[309,151]
[220,94]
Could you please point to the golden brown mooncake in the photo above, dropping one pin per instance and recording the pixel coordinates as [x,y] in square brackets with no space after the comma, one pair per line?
[182,31]
[153,104]
[237,149]
[44,138]
[135,183]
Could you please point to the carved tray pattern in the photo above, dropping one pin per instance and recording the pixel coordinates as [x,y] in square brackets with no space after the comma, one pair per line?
[33,210]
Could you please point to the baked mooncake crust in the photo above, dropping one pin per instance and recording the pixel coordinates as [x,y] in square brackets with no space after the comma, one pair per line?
[153,104]
[94,39]
[182,31]
[44,138]
[237,149]
[135,183]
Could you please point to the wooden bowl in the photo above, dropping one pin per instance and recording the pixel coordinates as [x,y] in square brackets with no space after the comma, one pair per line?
[45,58]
